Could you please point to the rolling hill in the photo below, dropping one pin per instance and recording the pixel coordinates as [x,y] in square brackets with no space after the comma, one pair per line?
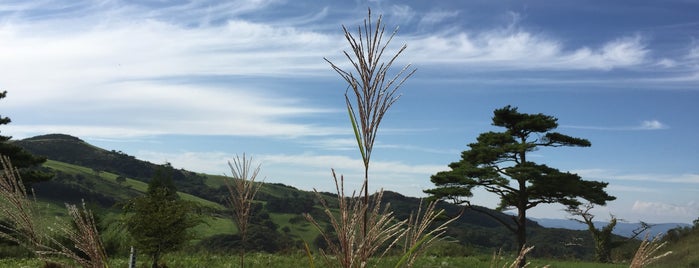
[107,178]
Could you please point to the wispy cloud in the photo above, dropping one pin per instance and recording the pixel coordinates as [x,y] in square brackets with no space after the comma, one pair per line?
[437,16]
[401,13]
[609,175]
[511,48]
[643,125]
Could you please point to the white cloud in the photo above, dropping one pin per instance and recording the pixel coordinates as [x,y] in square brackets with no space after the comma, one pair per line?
[659,209]
[146,108]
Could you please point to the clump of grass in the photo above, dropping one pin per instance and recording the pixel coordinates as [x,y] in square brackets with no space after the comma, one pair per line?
[83,234]
[346,245]
[646,253]
[242,189]
[20,223]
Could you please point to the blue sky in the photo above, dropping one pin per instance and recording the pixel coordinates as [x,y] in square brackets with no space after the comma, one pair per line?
[194,83]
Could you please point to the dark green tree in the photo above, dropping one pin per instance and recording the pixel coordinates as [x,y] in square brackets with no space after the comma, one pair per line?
[160,221]
[497,162]
[162,179]
[27,163]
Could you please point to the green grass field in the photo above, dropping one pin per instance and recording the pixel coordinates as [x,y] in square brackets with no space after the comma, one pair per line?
[301,260]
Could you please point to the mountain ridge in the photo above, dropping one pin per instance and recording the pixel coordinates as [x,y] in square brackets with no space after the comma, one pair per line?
[622,228]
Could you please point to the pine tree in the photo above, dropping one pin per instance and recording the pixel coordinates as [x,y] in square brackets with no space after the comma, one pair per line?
[497,162]
[160,221]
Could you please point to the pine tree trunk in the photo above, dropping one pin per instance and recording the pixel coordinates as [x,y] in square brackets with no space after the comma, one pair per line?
[521,234]
[156,256]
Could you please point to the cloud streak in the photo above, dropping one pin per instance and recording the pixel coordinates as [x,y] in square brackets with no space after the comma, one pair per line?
[643,125]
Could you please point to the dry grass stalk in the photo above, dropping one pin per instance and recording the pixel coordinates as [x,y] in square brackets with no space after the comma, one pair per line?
[495,261]
[20,223]
[242,189]
[648,248]
[419,237]
[374,92]
[347,245]
[83,234]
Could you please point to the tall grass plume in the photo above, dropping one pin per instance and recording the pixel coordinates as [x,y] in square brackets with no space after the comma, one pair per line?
[242,189]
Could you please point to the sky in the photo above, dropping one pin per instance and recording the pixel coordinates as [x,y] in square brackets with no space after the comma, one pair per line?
[195,83]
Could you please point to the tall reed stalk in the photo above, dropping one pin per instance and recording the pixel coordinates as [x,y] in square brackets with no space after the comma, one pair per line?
[362,226]
[242,189]
[374,92]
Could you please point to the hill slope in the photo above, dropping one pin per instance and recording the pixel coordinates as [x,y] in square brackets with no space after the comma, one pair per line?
[88,172]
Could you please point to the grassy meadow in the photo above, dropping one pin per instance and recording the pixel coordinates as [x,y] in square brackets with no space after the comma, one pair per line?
[302,260]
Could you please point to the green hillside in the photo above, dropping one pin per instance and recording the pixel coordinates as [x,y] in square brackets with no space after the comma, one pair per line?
[106,179]
[684,243]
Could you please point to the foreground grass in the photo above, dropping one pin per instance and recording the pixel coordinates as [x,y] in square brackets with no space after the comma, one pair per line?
[301,260]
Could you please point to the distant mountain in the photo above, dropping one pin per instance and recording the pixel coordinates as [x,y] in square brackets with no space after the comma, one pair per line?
[622,228]
[89,172]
